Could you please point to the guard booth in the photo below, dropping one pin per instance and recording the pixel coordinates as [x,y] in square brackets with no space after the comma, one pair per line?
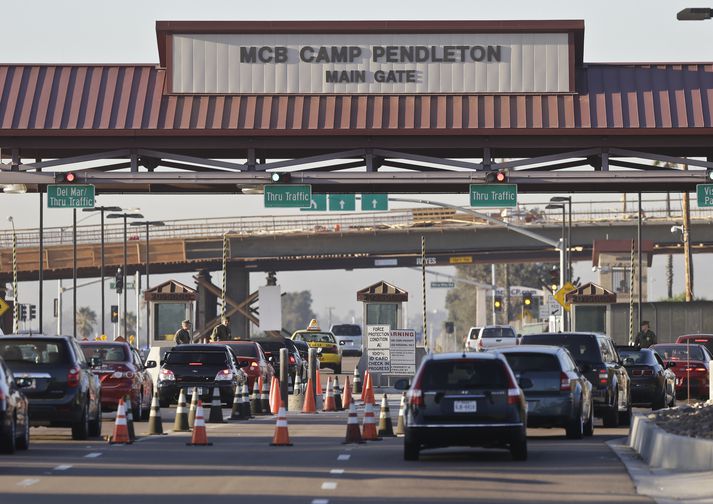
[591,307]
[169,304]
[383,305]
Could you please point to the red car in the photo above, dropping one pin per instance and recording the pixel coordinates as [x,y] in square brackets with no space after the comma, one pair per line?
[252,352]
[121,373]
[690,365]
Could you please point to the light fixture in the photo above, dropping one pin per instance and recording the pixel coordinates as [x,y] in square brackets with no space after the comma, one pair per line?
[14,189]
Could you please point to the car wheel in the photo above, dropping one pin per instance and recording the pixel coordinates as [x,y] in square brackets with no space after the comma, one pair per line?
[95,425]
[410,451]
[611,415]
[23,442]
[9,443]
[518,447]
[660,403]
[589,425]
[625,417]
[137,408]
[147,411]
[80,429]
[575,427]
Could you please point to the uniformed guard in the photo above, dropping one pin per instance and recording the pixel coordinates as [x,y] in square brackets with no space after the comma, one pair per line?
[646,336]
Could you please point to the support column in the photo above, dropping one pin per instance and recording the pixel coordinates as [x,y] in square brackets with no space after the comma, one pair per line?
[206,303]
[238,288]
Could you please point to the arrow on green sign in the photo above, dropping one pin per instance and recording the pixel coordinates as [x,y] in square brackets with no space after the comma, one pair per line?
[318,203]
[342,202]
[374,202]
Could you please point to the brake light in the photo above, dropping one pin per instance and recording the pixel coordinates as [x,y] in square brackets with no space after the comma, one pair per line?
[701,341]
[642,372]
[514,396]
[224,375]
[73,377]
[166,375]
[292,359]
[565,383]
[696,369]
[603,375]
[648,372]
[254,364]
[479,345]
[415,394]
[122,374]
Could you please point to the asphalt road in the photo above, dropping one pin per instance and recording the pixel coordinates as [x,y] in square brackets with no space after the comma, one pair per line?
[318,469]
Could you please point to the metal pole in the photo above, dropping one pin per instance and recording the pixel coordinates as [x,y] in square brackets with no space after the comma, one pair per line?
[148,309]
[312,369]
[563,264]
[123,273]
[631,296]
[225,275]
[569,242]
[137,289]
[492,291]
[60,289]
[74,273]
[423,290]
[15,304]
[101,270]
[284,376]
[41,277]
[638,262]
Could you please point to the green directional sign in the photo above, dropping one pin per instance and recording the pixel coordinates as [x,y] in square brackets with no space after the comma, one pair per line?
[705,195]
[287,196]
[342,202]
[318,203]
[374,202]
[493,195]
[70,196]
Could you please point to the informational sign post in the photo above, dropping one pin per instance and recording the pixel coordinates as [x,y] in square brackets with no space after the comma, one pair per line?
[378,344]
[70,196]
[402,346]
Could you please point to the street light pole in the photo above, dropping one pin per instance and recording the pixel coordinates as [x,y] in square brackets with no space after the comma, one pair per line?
[563,248]
[568,254]
[15,305]
[148,224]
[125,216]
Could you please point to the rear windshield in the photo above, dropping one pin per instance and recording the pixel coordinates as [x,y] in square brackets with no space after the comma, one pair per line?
[529,362]
[473,334]
[272,346]
[196,358]
[34,352]
[680,352]
[698,340]
[638,357]
[107,353]
[317,337]
[583,347]
[244,349]
[465,374]
[346,330]
[498,332]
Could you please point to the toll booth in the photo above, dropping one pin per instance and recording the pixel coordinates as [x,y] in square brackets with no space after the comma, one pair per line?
[169,304]
[591,305]
[383,305]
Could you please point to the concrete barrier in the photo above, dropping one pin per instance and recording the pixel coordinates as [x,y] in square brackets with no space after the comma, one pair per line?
[660,449]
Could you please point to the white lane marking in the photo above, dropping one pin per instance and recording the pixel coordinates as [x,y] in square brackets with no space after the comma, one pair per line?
[336,471]
[27,482]
[320,501]
[93,455]
[344,456]
[62,467]
[329,485]
[348,449]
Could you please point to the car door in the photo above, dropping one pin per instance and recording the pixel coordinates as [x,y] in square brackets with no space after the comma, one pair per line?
[570,367]
[669,378]
[88,381]
[142,377]
[611,358]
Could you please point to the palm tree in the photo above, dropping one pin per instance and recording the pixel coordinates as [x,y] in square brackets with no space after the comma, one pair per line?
[86,319]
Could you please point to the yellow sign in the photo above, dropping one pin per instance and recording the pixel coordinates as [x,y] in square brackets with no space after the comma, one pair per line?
[561,293]
[313,325]
[461,260]
[3,306]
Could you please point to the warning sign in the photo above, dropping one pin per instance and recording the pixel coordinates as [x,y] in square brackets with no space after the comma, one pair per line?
[403,352]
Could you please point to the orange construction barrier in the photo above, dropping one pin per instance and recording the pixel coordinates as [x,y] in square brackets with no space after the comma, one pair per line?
[200,437]
[121,429]
[368,428]
[347,397]
[329,404]
[282,434]
[353,434]
[275,396]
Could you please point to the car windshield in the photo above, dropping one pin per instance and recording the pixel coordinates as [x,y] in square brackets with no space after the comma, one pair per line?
[464,374]
[698,340]
[498,332]
[346,330]
[583,347]
[196,358]
[680,352]
[244,349]
[528,362]
[317,337]
[107,353]
[633,357]
[35,351]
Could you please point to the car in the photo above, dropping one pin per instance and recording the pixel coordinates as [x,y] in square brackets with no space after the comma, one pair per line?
[14,412]
[272,346]
[691,367]
[471,340]
[59,383]
[653,384]
[122,372]
[698,339]
[303,349]
[464,399]
[557,393]
[330,355]
[203,366]
[598,360]
[349,338]
[251,352]
[301,364]
[494,336]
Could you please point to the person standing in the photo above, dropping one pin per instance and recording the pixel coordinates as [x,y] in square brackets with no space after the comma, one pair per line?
[221,332]
[646,336]
[183,335]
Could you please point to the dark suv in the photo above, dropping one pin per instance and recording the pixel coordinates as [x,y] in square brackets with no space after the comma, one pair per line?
[58,381]
[598,360]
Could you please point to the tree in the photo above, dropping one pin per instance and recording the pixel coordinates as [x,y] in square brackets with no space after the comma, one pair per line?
[130,323]
[297,310]
[86,319]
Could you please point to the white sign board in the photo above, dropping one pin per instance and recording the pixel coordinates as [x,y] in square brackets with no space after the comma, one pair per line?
[378,345]
[270,303]
[403,352]
[377,63]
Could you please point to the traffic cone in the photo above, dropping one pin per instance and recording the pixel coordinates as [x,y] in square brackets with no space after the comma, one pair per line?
[282,434]
[265,397]
[347,400]
[386,428]
[400,424]
[236,412]
[365,388]
[368,426]
[255,409]
[129,418]
[353,434]
[275,397]
[245,400]
[181,422]
[367,393]
[200,436]
[309,406]
[329,399]
[356,386]
[155,424]
[121,430]
[216,408]
[192,409]
[337,395]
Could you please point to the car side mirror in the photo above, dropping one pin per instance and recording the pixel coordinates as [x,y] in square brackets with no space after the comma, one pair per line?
[150,364]
[670,364]
[525,383]
[271,359]
[95,362]
[319,350]
[629,361]
[402,384]
[23,382]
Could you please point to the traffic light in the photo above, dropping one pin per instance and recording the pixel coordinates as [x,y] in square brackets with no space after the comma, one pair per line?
[280,177]
[119,281]
[554,278]
[23,312]
[69,177]
[496,177]
[527,300]
[114,314]
[498,303]
[709,175]
[450,327]
[33,312]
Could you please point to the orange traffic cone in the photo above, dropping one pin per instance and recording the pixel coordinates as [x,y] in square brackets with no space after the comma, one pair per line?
[319,384]
[309,406]
[368,428]
[353,434]
[275,396]
[121,430]
[200,437]
[347,397]
[329,400]
[369,386]
[282,435]
[364,388]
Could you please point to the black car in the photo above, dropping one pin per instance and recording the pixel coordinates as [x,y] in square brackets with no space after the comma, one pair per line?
[272,346]
[201,366]
[460,399]
[303,349]
[599,361]
[59,383]
[653,384]
[14,417]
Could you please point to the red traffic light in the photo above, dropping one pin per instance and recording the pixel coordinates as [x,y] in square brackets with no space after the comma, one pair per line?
[496,177]
[500,177]
[70,177]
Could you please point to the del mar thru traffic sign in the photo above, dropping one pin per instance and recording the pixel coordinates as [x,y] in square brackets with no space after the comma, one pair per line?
[70,196]
[287,196]
[705,195]
[493,195]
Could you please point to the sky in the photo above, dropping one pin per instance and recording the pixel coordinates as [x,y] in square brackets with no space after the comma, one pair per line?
[90,31]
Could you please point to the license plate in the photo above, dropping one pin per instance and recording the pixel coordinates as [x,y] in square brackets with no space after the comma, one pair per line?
[464,406]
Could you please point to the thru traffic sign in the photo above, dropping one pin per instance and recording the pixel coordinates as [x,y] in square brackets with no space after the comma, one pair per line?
[374,202]
[493,195]
[70,196]
[287,196]
[342,202]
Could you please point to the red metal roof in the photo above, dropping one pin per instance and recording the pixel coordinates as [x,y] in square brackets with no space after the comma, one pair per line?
[109,99]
